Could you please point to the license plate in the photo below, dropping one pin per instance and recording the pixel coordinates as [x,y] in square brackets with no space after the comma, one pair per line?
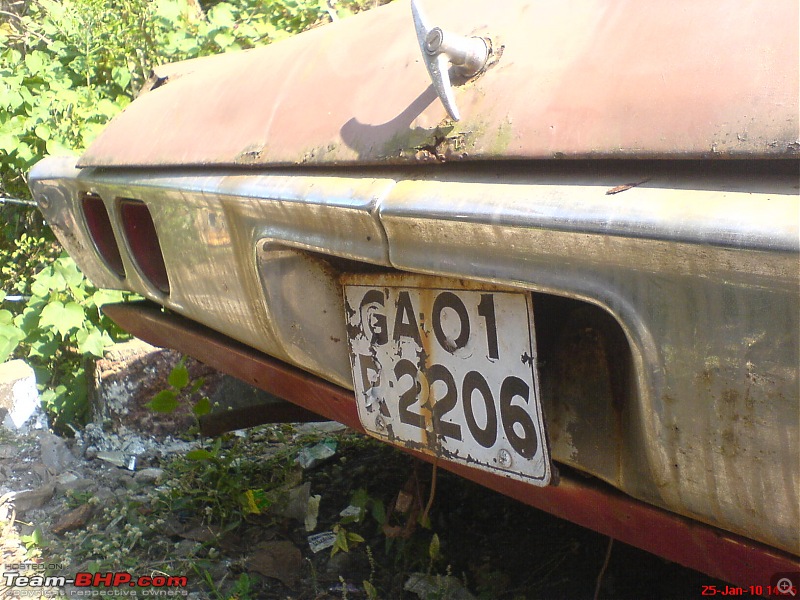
[449,370]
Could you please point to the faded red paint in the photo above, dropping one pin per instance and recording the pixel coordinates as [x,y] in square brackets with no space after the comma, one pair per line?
[589,503]
[576,79]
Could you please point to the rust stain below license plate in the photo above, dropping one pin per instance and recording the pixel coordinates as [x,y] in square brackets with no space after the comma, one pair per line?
[449,371]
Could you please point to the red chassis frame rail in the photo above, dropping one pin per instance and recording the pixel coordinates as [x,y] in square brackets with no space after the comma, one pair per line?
[589,503]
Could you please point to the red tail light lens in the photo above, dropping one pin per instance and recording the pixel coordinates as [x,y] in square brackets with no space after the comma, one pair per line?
[143,242]
[99,225]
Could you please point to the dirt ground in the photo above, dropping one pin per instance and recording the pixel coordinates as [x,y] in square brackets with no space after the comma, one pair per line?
[236,520]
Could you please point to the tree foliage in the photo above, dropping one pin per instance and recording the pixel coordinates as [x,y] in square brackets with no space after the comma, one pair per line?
[66,68]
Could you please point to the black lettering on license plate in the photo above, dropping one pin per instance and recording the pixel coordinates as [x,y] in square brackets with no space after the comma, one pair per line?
[450,372]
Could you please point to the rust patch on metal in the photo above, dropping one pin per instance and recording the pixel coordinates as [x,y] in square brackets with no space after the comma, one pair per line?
[442,149]
[625,186]
[250,156]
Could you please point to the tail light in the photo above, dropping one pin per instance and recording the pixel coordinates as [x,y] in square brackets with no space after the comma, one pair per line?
[99,225]
[143,242]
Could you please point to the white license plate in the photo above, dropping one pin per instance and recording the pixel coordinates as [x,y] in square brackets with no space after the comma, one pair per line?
[449,370]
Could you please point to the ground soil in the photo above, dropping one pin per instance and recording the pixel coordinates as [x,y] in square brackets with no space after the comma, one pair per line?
[478,543]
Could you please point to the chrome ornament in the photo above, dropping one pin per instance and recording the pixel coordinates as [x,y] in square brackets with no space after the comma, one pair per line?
[440,49]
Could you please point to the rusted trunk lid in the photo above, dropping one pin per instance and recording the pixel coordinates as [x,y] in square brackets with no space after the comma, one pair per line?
[572,79]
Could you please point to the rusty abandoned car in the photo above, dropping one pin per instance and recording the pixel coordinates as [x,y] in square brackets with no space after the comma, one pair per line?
[552,247]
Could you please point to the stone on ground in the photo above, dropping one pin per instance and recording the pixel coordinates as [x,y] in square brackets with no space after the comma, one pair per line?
[20,408]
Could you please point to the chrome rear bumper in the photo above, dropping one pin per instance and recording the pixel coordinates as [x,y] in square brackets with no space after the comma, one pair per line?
[698,271]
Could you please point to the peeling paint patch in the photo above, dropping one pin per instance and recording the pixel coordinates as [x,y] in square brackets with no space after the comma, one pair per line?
[250,155]
[625,186]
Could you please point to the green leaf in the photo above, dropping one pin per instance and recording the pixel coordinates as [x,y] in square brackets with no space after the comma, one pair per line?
[224,40]
[101,297]
[59,148]
[360,498]
[197,384]
[42,131]
[8,142]
[199,454]
[35,61]
[164,401]
[202,407]
[169,10]
[379,511]
[91,342]
[67,268]
[354,537]
[433,549]
[26,154]
[44,348]
[221,15]
[63,318]
[340,543]
[28,321]
[370,590]
[179,376]
[73,317]
[10,337]
[121,76]
[33,540]
[48,280]
[51,314]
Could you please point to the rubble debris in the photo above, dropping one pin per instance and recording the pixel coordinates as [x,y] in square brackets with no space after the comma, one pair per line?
[321,541]
[279,560]
[73,520]
[310,457]
[55,452]
[26,500]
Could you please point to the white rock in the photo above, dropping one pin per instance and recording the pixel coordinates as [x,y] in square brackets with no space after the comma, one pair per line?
[20,398]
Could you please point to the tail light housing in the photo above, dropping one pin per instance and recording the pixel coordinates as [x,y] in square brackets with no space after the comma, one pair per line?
[99,225]
[140,231]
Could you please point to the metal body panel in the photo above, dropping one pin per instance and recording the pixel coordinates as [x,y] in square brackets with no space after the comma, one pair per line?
[578,78]
[581,500]
[716,376]
[700,271]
